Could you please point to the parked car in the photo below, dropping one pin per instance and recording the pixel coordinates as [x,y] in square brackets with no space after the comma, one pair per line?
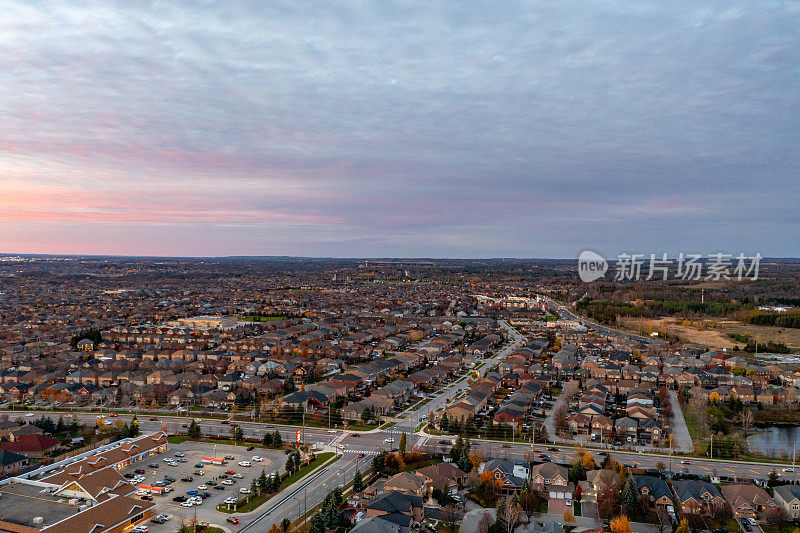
[192,492]
[188,479]
[180,454]
[229,458]
[244,463]
[238,476]
[153,465]
[245,490]
[258,458]
[230,500]
[250,448]
[187,504]
[179,499]
[219,487]
[232,520]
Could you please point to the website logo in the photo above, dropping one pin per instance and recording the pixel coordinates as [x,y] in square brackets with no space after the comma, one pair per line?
[591,266]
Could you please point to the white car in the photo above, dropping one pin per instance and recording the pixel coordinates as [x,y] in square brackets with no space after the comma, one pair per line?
[238,476]
[227,482]
[331,431]
[202,487]
[31,414]
[245,463]
[245,490]
[140,529]
[231,500]
[390,439]
[257,458]
[187,503]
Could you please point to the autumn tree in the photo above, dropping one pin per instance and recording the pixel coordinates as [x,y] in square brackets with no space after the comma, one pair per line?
[568,517]
[777,518]
[608,503]
[620,525]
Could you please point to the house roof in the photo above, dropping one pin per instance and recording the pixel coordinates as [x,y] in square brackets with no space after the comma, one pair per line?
[694,489]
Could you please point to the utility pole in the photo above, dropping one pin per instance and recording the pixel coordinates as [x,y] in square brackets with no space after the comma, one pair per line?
[303,439]
[794,454]
[712,445]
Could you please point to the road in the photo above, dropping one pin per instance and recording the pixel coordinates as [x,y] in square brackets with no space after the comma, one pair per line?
[564,312]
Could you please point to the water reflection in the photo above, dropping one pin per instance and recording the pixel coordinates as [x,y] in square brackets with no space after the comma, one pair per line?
[776,441]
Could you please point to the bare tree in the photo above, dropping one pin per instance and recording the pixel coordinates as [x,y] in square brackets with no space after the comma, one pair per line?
[485,522]
[747,418]
[511,512]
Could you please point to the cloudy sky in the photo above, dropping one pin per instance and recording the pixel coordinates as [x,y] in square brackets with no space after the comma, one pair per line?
[463,129]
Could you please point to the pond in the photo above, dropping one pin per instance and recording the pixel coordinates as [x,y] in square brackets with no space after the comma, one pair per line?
[776,441]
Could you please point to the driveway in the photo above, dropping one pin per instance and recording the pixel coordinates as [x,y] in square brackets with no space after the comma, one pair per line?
[684,440]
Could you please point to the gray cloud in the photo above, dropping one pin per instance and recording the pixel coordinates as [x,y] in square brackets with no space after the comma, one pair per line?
[472,129]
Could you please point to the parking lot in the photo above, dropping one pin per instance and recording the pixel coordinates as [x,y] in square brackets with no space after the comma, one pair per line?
[212,476]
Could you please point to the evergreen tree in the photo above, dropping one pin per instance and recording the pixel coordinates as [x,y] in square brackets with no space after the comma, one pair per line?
[402,446]
[629,496]
[267,439]
[444,423]
[276,439]
[358,482]
[194,430]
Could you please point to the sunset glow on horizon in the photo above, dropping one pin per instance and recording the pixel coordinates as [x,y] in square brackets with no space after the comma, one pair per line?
[382,129]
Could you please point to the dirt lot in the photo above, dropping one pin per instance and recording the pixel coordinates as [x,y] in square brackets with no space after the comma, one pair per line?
[193,452]
[700,333]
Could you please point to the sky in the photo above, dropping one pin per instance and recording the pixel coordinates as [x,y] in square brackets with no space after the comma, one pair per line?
[410,129]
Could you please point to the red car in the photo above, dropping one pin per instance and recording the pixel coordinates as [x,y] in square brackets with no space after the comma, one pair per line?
[230,472]
[153,419]
[233,520]
[361,455]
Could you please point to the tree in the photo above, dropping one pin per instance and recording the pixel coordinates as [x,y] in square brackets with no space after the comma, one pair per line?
[402,446]
[285,523]
[394,464]
[608,503]
[485,522]
[661,466]
[379,463]
[450,516]
[630,495]
[587,461]
[276,439]
[530,502]
[683,527]
[568,517]
[194,430]
[577,494]
[236,433]
[722,514]
[273,529]
[510,513]
[133,429]
[747,418]
[358,482]
[444,422]
[266,440]
[263,482]
[773,479]
[777,518]
[620,525]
